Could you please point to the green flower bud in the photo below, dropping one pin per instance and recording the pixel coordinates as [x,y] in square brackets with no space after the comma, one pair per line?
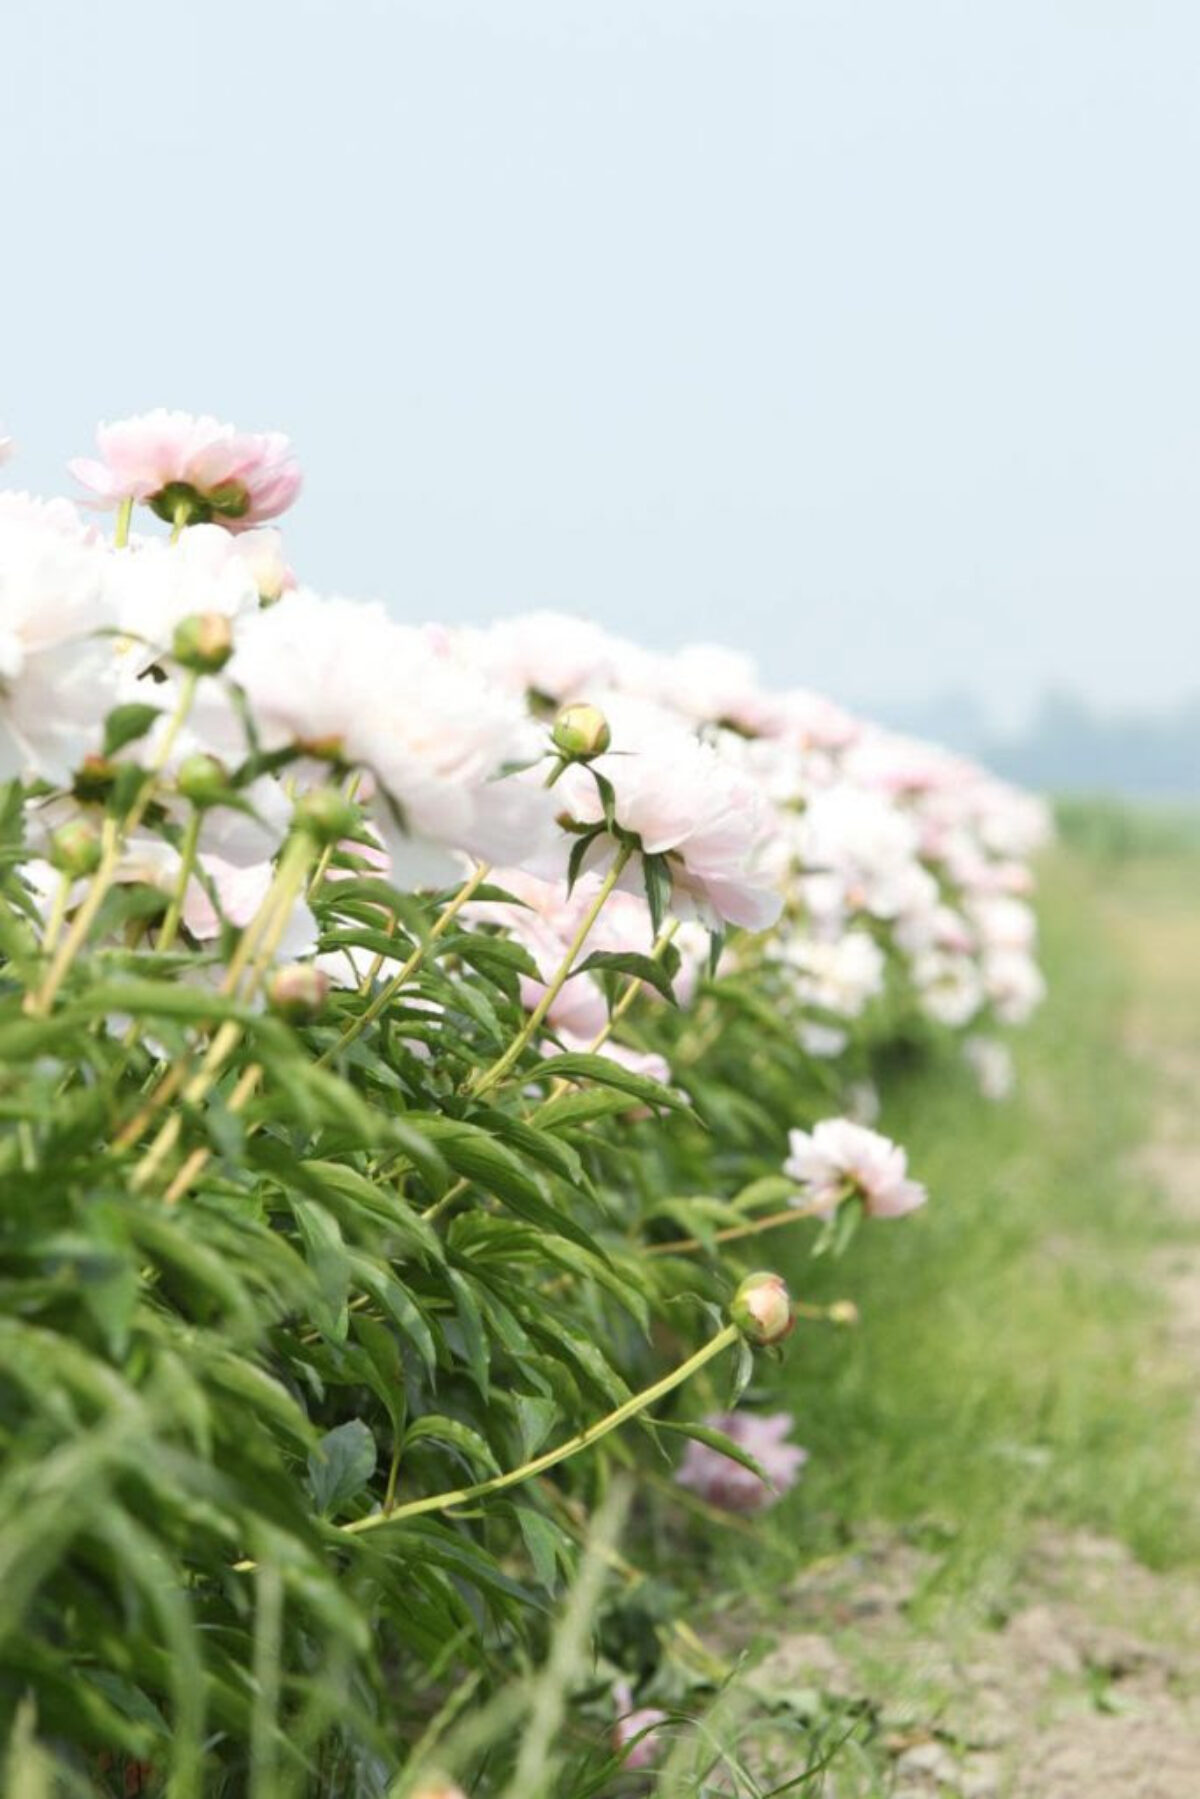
[762,1309]
[202,780]
[298,992]
[203,642]
[327,815]
[581,732]
[75,849]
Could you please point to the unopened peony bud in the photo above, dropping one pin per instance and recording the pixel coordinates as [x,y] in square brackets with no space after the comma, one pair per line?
[202,780]
[298,992]
[762,1310]
[328,815]
[75,849]
[438,1789]
[581,732]
[203,642]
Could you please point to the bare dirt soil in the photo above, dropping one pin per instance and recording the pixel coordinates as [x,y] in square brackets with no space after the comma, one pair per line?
[1081,1679]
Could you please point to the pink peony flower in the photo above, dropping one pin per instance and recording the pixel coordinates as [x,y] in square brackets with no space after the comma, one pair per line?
[839,1159]
[725,1483]
[680,799]
[172,460]
[339,677]
[992,1065]
[636,1728]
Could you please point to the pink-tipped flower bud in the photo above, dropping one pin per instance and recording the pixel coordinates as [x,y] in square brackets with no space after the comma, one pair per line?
[298,992]
[762,1309]
[328,815]
[202,780]
[581,732]
[75,849]
[203,642]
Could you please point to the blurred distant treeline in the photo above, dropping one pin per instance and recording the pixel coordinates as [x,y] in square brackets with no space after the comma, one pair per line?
[1069,747]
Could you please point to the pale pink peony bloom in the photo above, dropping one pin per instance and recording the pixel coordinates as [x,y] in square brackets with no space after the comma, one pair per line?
[551,655]
[1014,984]
[635,1729]
[638,1061]
[861,850]
[339,677]
[992,1065]
[55,514]
[949,986]
[841,974]
[152,586]
[725,1483]
[839,1159]
[240,892]
[683,802]
[1002,922]
[56,682]
[240,478]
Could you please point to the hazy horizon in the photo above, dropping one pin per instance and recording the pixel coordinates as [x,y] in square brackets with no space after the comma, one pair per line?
[862,337]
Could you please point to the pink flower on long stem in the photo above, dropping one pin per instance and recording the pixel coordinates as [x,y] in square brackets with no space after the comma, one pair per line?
[191,470]
[839,1159]
[722,1482]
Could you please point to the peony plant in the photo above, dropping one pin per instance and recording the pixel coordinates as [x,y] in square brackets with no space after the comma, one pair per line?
[410,1040]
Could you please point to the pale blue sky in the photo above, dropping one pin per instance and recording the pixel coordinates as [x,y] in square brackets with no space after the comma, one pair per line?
[862,333]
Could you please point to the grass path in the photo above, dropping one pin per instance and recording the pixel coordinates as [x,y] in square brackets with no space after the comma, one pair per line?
[998,1542]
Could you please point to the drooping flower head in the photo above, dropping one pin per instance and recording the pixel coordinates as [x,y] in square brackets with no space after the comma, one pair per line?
[722,1482]
[194,468]
[839,1159]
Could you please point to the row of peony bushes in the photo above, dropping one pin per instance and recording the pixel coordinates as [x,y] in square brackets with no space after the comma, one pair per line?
[410,1039]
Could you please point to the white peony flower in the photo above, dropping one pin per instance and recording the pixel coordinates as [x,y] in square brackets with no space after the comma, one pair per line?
[838,1159]
[339,677]
[681,801]
[56,682]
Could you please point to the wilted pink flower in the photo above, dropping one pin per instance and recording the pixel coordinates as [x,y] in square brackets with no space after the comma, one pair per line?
[630,1726]
[839,1159]
[725,1483]
[172,460]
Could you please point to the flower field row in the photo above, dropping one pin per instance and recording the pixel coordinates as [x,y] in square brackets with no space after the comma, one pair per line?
[413,1042]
